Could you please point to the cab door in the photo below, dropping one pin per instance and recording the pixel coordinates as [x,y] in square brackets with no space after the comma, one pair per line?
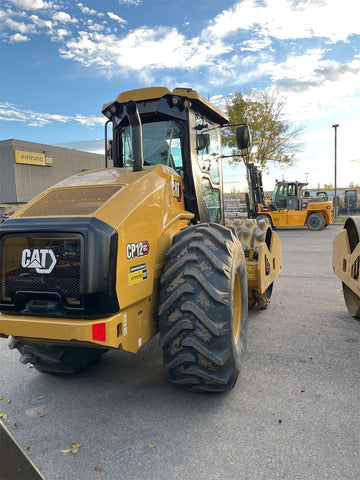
[208,171]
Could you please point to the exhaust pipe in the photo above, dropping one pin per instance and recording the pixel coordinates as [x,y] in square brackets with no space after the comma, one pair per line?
[132,113]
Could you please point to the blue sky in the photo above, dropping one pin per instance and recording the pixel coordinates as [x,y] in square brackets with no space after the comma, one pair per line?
[62,60]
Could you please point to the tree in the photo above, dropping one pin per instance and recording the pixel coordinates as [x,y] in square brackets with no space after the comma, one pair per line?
[273,137]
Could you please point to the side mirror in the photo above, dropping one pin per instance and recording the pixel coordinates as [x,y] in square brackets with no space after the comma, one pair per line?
[202,141]
[243,137]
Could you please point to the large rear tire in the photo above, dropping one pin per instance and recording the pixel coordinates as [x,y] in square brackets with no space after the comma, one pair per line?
[203,308]
[57,359]
[316,221]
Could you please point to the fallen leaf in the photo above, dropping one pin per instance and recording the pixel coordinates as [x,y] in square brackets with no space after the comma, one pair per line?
[1,398]
[3,415]
[75,448]
[14,426]
[151,446]
[9,401]
[97,469]
[41,397]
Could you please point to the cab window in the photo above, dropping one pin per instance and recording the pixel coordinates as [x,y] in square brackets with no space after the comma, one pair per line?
[279,196]
[208,149]
[162,140]
[292,190]
[211,198]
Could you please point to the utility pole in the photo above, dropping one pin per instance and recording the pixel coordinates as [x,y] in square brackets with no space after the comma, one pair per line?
[306,176]
[336,200]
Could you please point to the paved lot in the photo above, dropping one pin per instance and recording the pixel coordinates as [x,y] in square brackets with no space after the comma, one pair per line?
[294,412]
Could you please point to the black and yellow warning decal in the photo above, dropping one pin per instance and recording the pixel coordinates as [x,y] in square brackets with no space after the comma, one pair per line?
[137,274]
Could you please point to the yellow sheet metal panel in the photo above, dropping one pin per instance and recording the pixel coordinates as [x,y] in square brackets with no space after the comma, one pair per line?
[78,201]
[295,217]
[126,330]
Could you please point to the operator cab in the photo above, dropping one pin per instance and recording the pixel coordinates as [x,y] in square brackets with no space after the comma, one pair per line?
[179,129]
[286,195]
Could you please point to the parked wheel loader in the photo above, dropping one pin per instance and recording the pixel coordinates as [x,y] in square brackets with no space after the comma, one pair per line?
[350,202]
[289,207]
[346,263]
[108,258]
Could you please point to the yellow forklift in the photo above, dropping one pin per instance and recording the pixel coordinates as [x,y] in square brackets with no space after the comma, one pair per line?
[289,207]
[108,258]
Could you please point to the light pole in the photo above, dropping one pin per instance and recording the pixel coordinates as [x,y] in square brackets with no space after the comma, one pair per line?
[336,203]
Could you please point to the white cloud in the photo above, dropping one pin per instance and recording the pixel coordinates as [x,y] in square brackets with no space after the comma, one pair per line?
[14,113]
[140,48]
[255,45]
[63,17]
[166,47]
[116,18]
[61,33]
[96,27]
[285,19]
[18,37]
[39,22]
[21,27]
[31,4]
[313,84]
[143,48]
[86,10]
[130,3]
[316,87]
[89,120]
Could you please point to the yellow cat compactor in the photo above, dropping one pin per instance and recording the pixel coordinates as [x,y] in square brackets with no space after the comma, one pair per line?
[108,258]
[346,263]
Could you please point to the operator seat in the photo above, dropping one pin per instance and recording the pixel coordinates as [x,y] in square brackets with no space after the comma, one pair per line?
[158,152]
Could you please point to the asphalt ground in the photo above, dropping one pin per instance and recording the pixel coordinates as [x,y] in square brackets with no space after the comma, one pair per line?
[293,414]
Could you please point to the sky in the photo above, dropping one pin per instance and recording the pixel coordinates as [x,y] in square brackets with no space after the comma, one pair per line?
[60,61]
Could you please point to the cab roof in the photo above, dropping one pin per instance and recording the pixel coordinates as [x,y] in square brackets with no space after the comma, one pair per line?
[199,103]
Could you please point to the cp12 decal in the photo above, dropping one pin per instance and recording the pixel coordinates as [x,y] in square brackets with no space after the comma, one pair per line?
[138,249]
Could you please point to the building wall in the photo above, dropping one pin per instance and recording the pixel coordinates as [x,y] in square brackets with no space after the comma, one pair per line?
[7,174]
[21,182]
